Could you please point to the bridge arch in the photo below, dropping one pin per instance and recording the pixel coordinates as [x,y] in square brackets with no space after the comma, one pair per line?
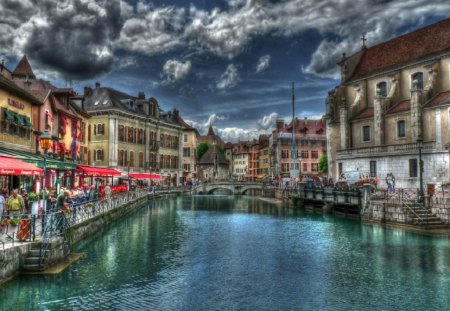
[221,188]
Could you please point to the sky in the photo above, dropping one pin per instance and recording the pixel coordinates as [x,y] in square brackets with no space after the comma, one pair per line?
[229,63]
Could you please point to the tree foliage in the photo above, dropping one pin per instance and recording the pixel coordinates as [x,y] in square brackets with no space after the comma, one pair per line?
[201,149]
[323,164]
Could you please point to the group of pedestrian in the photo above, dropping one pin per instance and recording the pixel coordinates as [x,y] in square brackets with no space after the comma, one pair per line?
[13,205]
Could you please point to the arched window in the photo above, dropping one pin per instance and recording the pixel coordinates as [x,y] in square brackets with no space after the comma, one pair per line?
[121,158]
[121,133]
[131,158]
[418,76]
[141,159]
[382,89]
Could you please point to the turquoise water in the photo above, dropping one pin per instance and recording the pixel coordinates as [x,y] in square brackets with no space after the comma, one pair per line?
[240,253]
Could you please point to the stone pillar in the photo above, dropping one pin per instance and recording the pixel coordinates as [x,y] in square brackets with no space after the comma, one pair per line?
[330,152]
[378,115]
[416,112]
[344,128]
[113,141]
[438,122]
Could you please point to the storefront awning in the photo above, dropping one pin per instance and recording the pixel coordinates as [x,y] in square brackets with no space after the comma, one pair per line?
[38,159]
[19,120]
[97,171]
[8,115]
[12,166]
[145,176]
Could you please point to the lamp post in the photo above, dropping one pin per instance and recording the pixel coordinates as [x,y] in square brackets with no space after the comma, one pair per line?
[419,145]
[45,141]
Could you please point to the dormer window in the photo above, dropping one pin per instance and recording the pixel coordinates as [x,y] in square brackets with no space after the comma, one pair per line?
[418,77]
[382,89]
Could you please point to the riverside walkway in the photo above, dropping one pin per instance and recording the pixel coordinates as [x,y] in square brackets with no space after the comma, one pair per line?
[33,230]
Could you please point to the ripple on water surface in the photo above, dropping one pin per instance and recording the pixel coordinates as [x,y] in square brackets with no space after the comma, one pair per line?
[239,253]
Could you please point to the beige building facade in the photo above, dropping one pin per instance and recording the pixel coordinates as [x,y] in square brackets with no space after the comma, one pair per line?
[392,108]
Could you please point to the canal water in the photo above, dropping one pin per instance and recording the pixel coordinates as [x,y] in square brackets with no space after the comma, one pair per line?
[241,253]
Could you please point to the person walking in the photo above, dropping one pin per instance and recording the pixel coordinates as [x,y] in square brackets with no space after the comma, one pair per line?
[2,203]
[108,194]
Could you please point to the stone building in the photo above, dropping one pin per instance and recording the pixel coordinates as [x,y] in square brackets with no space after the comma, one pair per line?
[310,139]
[132,134]
[213,165]
[241,155]
[391,107]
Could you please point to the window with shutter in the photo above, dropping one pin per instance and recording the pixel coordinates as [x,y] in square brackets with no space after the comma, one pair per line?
[95,129]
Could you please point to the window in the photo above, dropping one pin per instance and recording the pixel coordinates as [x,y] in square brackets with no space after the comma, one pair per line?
[401,129]
[418,76]
[122,158]
[83,132]
[373,168]
[99,129]
[340,169]
[382,89]
[186,152]
[121,133]
[314,154]
[185,138]
[98,155]
[131,163]
[305,154]
[413,168]
[366,133]
[285,154]
[285,167]
[141,159]
[187,167]
[314,167]
[305,167]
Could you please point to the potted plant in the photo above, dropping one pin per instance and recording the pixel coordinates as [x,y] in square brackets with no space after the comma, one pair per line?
[14,221]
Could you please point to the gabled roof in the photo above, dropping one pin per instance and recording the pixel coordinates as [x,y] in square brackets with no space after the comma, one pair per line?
[211,154]
[442,98]
[18,91]
[211,131]
[23,69]
[402,106]
[365,114]
[425,42]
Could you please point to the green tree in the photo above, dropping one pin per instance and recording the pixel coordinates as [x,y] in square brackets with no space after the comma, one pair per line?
[323,164]
[201,149]
[221,149]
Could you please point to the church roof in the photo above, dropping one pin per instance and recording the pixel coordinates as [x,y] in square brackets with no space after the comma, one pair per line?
[366,113]
[211,154]
[425,42]
[439,99]
[23,69]
[211,131]
[402,106]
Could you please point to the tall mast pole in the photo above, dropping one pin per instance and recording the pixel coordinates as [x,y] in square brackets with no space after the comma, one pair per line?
[294,145]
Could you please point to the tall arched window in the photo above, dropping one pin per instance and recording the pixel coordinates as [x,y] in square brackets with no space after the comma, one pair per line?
[418,76]
[382,88]
[141,159]
[131,158]
[121,158]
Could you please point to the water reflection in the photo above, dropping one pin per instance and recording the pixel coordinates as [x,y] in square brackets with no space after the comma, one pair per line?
[234,253]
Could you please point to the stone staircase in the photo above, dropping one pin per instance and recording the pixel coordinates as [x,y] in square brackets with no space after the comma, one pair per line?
[426,219]
[31,263]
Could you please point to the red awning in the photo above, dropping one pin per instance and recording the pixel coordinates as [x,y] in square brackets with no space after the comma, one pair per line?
[98,171]
[145,176]
[13,166]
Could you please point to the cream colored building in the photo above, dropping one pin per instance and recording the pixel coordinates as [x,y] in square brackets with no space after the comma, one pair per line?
[132,134]
[392,107]
[240,160]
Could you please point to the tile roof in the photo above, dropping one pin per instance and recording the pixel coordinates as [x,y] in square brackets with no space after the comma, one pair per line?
[307,126]
[18,91]
[23,69]
[424,42]
[402,106]
[439,99]
[209,156]
[366,113]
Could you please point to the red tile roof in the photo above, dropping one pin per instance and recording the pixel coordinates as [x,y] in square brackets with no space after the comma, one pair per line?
[23,68]
[439,99]
[402,106]
[366,113]
[424,42]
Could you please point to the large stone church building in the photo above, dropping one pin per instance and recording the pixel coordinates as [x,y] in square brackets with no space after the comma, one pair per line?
[392,108]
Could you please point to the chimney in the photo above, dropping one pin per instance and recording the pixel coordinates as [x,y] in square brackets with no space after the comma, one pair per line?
[87,91]
[141,95]
[97,85]
[280,125]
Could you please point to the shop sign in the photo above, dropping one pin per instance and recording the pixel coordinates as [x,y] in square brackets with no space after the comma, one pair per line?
[15,103]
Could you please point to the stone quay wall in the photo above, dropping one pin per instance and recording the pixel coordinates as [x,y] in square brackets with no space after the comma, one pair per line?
[380,211]
[13,258]
[440,206]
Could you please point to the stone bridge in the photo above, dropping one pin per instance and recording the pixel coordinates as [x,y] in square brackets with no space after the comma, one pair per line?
[237,188]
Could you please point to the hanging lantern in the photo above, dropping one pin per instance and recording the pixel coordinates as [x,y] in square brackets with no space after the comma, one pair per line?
[45,140]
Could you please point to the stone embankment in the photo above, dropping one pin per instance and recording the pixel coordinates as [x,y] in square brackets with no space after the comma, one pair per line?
[18,258]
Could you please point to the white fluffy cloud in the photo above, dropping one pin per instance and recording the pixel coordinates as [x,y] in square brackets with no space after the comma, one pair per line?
[230,78]
[234,134]
[263,63]
[213,119]
[174,70]
[268,122]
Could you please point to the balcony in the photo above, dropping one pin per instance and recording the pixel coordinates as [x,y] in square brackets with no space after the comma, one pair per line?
[411,148]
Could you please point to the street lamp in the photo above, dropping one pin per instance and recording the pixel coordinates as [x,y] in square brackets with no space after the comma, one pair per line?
[419,145]
[45,141]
